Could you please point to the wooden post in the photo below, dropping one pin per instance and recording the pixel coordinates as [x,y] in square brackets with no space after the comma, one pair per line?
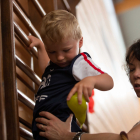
[8,46]
[2,104]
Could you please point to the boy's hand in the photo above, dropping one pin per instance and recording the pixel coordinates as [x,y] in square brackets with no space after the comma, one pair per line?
[85,87]
[35,42]
[43,58]
[101,82]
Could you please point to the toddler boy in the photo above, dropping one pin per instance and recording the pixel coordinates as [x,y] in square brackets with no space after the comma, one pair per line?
[67,72]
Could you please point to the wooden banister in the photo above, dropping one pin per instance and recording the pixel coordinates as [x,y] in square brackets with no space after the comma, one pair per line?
[25,20]
[21,34]
[2,100]
[65,2]
[27,70]
[24,38]
[25,123]
[55,4]
[26,100]
[25,83]
[11,105]
[25,134]
[24,45]
[39,7]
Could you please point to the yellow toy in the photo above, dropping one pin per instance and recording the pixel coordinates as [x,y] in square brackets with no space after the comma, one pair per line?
[78,109]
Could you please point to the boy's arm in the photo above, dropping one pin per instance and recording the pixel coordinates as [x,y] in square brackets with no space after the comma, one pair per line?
[43,58]
[90,76]
[101,82]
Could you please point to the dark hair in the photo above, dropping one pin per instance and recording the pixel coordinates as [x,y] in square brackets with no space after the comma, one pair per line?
[132,52]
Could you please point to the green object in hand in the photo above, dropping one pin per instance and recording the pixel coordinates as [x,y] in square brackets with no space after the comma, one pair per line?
[78,109]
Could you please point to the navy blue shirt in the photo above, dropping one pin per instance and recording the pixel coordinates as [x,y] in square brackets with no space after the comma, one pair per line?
[54,89]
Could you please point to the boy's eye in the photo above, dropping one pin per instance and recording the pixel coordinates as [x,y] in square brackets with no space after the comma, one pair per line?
[66,50]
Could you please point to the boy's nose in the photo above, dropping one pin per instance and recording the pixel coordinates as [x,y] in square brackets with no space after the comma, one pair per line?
[60,57]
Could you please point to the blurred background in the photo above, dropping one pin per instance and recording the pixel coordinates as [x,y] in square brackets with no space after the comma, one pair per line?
[109,28]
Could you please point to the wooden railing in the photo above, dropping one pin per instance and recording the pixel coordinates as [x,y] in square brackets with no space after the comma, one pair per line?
[9,73]
[25,134]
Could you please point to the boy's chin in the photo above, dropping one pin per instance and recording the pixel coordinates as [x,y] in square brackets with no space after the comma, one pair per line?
[63,65]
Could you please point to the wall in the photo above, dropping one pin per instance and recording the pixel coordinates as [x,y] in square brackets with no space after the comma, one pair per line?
[128,16]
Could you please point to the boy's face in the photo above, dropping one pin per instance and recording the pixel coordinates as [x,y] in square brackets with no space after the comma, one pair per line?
[134,74]
[62,53]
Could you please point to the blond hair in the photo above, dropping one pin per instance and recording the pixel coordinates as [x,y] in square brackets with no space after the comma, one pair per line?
[60,24]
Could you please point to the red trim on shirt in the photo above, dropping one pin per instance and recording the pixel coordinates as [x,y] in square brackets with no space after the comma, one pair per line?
[85,58]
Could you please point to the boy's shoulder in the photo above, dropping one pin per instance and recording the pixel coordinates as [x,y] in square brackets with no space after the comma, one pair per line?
[85,54]
[82,55]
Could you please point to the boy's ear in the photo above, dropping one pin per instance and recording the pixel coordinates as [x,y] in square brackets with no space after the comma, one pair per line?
[81,42]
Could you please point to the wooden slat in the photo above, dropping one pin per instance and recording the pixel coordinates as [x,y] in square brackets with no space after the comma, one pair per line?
[21,34]
[24,45]
[65,2]
[25,123]
[55,4]
[25,83]
[39,7]
[12,119]
[2,102]
[25,134]
[25,10]
[27,70]
[26,100]
[24,37]
[73,4]
[25,20]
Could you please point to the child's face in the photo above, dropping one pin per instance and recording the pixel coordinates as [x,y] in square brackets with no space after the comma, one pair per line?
[62,53]
[134,67]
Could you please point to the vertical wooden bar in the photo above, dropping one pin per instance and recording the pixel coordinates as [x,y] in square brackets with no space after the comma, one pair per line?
[11,105]
[2,107]
[55,4]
